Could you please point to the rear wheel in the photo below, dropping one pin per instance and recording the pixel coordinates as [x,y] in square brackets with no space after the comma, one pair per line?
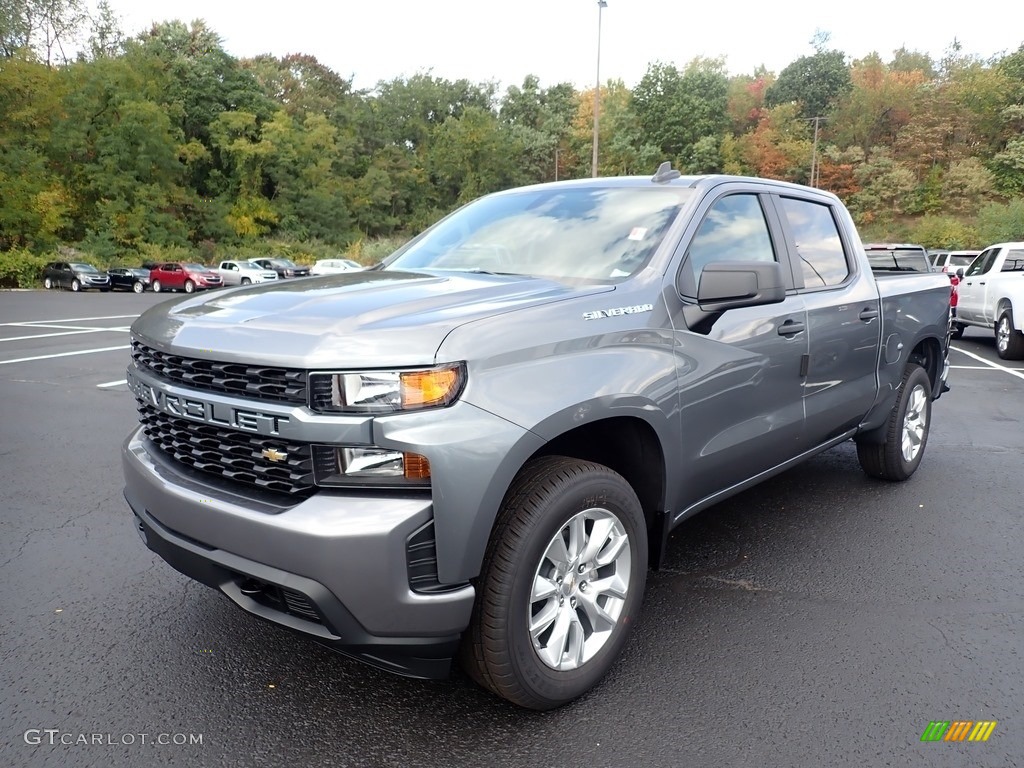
[958,331]
[561,586]
[47,283]
[189,286]
[157,287]
[906,431]
[138,287]
[1009,341]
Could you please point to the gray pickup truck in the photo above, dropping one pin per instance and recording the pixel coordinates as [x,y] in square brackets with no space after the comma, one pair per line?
[478,448]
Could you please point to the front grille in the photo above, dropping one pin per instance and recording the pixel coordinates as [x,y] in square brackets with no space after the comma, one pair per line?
[232,455]
[284,385]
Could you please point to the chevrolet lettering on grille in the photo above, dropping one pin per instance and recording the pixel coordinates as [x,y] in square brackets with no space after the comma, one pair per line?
[197,409]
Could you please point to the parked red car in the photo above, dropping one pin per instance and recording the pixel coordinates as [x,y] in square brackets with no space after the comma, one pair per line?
[183,276]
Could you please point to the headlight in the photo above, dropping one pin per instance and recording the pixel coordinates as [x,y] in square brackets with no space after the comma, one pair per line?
[386,391]
[368,466]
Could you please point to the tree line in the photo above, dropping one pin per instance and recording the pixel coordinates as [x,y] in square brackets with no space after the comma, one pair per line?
[165,141]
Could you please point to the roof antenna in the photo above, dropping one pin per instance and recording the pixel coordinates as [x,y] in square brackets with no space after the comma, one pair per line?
[665,173]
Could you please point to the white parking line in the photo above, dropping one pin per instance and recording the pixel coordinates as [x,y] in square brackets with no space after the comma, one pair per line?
[111,384]
[70,320]
[64,354]
[996,366]
[62,333]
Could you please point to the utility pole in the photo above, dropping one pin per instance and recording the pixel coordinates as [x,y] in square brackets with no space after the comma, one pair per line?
[601,4]
[814,154]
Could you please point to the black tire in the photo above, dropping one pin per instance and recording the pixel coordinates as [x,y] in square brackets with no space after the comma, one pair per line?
[157,287]
[189,286]
[1009,342]
[138,287]
[47,283]
[498,650]
[889,460]
[75,285]
[958,331]
[104,290]
[246,281]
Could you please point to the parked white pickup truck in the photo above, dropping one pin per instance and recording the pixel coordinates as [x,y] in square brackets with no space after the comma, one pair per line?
[243,272]
[991,295]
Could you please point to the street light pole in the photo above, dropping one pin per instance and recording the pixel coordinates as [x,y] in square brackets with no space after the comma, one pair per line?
[601,4]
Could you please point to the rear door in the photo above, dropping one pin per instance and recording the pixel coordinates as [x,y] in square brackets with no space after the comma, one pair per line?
[739,371]
[843,315]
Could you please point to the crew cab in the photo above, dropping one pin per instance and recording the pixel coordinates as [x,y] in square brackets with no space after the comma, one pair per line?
[991,296]
[243,272]
[479,447]
[183,276]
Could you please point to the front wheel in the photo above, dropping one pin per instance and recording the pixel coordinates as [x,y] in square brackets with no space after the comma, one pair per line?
[246,281]
[75,285]
[561,585]
[189,286]
[138,287]
[157,287]
[1009,341]
[906,431]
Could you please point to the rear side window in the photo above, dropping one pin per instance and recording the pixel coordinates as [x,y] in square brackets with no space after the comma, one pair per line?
[1014,261]
[818,244]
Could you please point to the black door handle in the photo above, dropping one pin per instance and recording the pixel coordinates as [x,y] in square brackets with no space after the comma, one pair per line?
[869,314]
[790,327]
[981,283]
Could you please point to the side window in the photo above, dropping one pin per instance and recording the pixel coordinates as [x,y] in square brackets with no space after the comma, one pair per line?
[983,263]
[1014,261]
[733,230]
[818,244]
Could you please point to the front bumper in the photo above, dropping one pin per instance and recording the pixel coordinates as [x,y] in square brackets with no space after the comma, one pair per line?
[334,566]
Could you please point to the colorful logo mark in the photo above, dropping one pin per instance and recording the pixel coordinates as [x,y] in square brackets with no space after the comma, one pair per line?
[958,730]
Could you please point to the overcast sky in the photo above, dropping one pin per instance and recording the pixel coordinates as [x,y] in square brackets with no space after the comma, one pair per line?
[483,40]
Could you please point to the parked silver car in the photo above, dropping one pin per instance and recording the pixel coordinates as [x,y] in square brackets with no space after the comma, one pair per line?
[243,272]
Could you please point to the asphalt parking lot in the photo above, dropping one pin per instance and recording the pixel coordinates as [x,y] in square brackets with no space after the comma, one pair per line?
[822,619]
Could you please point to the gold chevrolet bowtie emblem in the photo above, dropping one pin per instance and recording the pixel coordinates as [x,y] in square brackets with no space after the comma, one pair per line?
[272,454]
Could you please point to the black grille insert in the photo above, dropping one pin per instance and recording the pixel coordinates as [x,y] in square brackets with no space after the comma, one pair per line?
[230,454]
[286,385]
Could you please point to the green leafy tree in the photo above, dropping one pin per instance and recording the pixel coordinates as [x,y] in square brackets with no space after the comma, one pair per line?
[815,83]
[676,109]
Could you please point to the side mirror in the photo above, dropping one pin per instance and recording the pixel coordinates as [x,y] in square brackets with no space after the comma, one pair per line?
[733,284]
[960,272]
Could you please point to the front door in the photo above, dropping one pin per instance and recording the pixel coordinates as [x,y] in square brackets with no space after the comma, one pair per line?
[739,372]
[971,291]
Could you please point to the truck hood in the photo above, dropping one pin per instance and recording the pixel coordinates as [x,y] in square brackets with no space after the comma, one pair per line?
[357,319]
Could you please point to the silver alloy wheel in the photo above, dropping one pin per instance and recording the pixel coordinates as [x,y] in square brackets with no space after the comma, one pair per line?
[138,287]
[1003,331]
[579,589]
[915,423]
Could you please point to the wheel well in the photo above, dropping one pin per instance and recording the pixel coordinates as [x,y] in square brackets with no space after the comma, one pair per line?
[630,447]
[1002,306]
[928,354]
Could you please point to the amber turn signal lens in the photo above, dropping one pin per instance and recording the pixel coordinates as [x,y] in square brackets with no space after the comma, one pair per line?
[425,388]
[416,467]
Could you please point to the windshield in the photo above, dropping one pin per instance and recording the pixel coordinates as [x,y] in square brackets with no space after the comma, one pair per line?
[283,262]
[195,267]
[588,233]
[962,261]
[83,268]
